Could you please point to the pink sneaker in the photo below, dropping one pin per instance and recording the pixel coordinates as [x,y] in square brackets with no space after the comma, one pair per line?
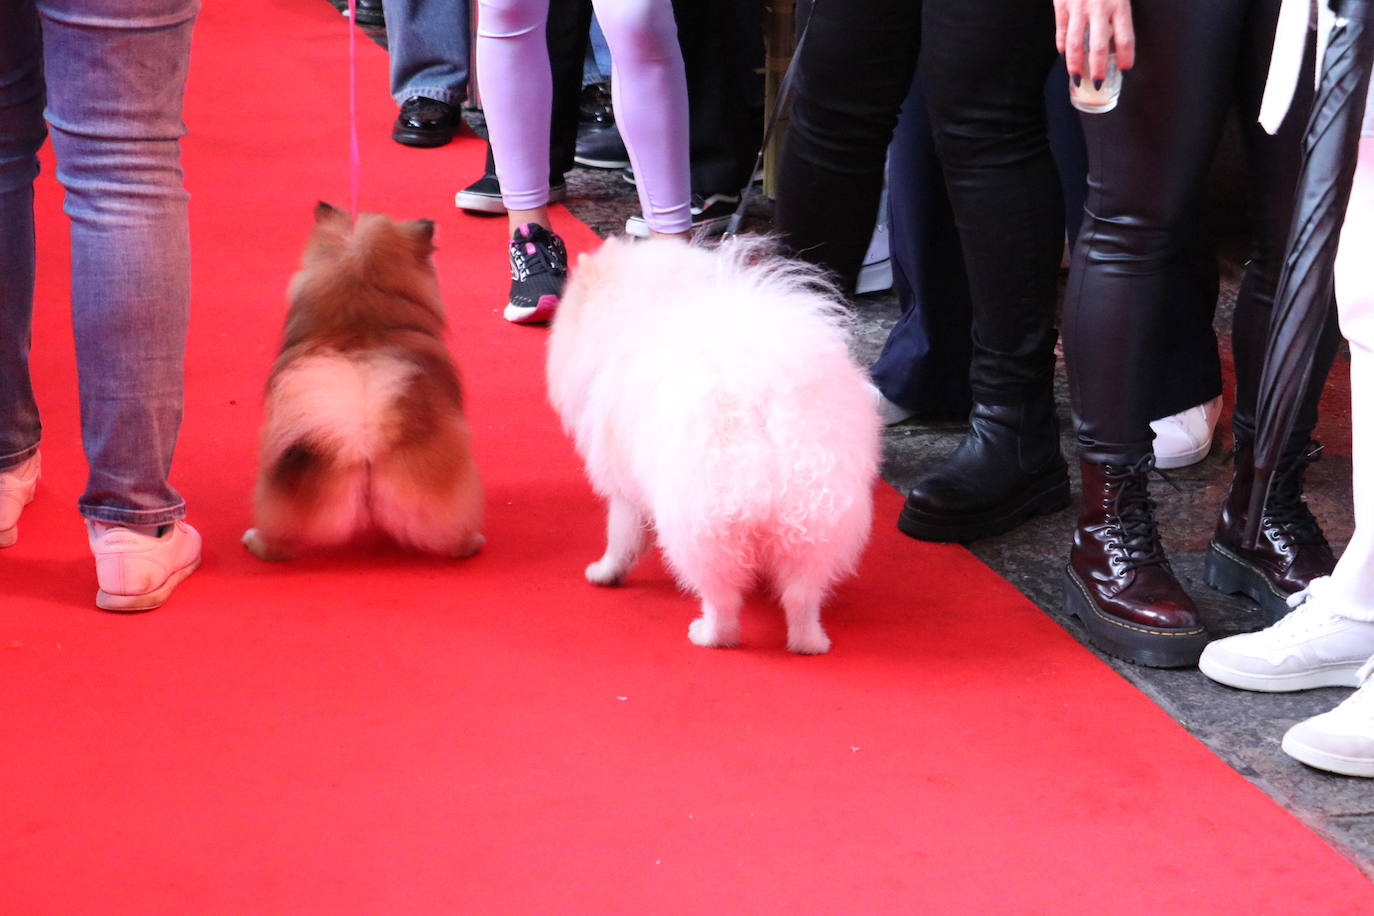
[17,486]
[137,572]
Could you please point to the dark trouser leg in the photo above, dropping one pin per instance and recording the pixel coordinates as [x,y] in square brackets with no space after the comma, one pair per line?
[1292,551]
[1189,373]
[1066,143]
[1148,161]
[1194,376]
[722,41]
[854,71]
[1273,170]
[924,363]
[983,66]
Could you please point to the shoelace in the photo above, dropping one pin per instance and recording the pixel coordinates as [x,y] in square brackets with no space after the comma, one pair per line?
[530,257]
[1307,614]
[1137,530]
[520,268]
[1286,513]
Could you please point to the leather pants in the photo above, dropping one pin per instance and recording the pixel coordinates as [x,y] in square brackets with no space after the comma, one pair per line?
[1148,161]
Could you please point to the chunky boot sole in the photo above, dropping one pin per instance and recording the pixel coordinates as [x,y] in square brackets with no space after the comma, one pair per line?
[1153,647]
[1047,493]
[1233,575]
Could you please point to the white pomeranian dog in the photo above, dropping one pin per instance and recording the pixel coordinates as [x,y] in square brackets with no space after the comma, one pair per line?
[712,396]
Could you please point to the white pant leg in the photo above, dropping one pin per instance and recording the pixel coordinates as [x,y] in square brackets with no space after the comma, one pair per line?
[1353,580]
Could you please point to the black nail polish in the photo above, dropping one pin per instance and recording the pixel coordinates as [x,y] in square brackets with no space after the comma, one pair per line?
[1097,84]
[1078,79]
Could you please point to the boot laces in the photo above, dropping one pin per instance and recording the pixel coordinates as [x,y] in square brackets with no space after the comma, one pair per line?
[1286,513]
[1134,513]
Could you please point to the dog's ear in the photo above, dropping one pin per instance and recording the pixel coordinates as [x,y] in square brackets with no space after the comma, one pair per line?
[325,213]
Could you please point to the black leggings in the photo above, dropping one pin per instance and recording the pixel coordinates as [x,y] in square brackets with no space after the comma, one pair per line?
[1148,162]
[983,64]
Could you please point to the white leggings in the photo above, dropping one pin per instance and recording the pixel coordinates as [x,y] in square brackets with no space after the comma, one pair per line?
[1353,580]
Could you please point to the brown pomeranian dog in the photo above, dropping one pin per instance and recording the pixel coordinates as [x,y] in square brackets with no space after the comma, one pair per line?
[364,413]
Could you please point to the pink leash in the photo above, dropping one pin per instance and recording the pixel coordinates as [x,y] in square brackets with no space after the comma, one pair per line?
[355,160]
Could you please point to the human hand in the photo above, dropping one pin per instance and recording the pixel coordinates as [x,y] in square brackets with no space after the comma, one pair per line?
[1108,23]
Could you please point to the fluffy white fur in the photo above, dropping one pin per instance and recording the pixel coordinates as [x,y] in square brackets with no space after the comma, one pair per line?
[712,396]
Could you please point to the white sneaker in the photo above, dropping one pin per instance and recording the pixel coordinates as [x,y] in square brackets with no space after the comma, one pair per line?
[1313,646]
[875,274]
[17,486]
[1341,740]
[890,412]
[1186,438]
[137,571]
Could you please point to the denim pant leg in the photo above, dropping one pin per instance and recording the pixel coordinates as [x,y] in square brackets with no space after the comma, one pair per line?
[21,134]
[115,86]
[430,49]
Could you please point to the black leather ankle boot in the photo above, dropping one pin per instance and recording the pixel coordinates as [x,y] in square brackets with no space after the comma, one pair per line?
[1119,582]
[1008,469]
[1291,552]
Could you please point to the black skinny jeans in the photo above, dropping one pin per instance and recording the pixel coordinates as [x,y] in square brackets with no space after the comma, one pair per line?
[1148,160]
[984,64]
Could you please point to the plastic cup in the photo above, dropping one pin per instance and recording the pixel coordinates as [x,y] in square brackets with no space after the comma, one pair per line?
[1100,98]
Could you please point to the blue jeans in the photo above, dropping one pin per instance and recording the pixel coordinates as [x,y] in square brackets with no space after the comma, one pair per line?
[112,75]
[430,49]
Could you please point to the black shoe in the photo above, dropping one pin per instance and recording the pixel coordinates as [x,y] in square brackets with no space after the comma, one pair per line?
[538,270]
[600,147]
[710,215]
[368,12]
[426,122]
[484,195]
[627,175]
[1007,469]
[594,105]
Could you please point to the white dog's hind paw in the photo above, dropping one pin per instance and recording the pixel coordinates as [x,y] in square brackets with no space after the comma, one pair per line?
[810,641]
[604,572]
[703,632]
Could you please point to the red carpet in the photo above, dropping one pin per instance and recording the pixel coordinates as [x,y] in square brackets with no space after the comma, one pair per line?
[390,734]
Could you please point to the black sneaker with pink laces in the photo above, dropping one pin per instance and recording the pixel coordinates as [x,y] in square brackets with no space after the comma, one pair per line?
[538,270]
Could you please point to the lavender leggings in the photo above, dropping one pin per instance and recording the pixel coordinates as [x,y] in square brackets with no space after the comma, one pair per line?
[648,89]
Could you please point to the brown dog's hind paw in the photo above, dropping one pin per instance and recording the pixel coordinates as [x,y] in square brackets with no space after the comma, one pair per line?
[261,547]
[470,546]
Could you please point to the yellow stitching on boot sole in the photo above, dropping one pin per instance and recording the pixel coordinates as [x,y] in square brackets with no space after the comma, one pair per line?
[1126,626]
